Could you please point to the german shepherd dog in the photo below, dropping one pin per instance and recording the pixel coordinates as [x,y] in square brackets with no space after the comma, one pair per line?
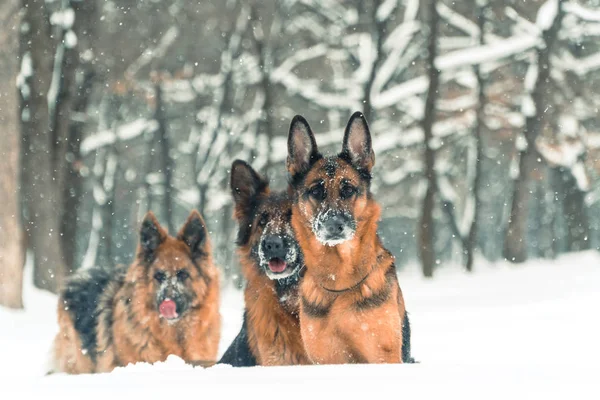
[271,262]
[165,303]
[352,309]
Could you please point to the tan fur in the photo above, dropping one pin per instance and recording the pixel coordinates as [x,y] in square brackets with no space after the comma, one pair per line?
[347,334]
[67,347]
[273,328]
[129,326]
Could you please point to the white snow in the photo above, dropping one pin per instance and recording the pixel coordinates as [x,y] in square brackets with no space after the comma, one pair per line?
[581,176]
[528,106]
[505,332]
[585,65]
[385,9]
[488,52]
[521,142]
[569,125]
[565,154]
[25,72]
[586,14]
[452,62]
[125,132]
[63,18]
[70,39]
[547,14]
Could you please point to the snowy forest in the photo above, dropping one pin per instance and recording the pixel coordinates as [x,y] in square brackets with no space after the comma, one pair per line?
[484,117]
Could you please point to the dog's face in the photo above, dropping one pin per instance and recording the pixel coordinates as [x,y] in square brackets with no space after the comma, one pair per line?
[331,193]
[264,220]
[173,267]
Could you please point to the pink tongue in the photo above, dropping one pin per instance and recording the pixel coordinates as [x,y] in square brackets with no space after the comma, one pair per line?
[168,309]
[277,265]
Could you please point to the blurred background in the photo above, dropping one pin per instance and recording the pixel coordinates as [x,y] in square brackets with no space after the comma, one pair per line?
[484,116]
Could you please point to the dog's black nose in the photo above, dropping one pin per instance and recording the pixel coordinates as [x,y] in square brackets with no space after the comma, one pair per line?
[273,243]
[335,225]
[274,246]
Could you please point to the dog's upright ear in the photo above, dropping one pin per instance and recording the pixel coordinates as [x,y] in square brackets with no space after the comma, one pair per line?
[302,147]
[151,236]
[246,185]
[194,234]
[357,146]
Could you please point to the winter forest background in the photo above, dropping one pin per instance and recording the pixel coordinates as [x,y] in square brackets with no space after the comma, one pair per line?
[484,116]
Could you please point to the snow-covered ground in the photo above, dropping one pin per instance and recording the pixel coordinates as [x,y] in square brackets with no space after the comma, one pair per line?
[531,331]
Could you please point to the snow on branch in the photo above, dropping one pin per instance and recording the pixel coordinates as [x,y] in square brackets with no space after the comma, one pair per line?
[567,154]
[547,14]
[583,66]
[457,59]
[386,9]
[331,9]
[485,53]
[124,132]
[311,89]
[458,21]
[153,53]
[584,13]
[523,26]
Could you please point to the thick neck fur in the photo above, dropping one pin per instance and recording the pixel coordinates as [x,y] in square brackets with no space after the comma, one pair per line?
[261,288]
[344,265]
[273,317]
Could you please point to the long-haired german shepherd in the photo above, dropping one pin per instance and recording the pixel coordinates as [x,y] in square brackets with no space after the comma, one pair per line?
[165,303]
[352,309]
[271,262]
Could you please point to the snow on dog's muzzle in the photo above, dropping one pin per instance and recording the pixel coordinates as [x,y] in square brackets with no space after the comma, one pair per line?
[334,227]
[274,250]
[278,255]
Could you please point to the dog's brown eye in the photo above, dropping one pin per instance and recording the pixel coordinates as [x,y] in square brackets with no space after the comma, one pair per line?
[347,191]
[317,192]
[159,276]
[182,275]
[264,219]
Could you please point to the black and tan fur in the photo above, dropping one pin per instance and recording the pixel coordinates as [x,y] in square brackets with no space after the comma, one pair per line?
[270,334]
[110,318]
[352,309]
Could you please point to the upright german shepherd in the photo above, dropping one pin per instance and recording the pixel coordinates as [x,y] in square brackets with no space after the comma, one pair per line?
[352,309]
[166,302]
[271,261]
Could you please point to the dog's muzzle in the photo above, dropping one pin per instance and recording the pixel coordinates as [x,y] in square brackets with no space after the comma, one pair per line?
[333,228]
[171,304]
[278,256]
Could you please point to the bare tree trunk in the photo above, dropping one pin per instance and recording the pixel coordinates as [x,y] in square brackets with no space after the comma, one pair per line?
[42,196]
[265,61]
[165,157]
[84,28]
[379,32]
[515,245]
[11,239]
[150,153]
[111,172]
[573,207]
[426,234]
[471,242]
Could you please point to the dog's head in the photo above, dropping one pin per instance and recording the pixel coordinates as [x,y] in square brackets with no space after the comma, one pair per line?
[331,194]
[264,220]
[174,269]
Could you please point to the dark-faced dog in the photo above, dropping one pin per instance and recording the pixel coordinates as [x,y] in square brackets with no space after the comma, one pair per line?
[271,261]
[351,309]
[165,303]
